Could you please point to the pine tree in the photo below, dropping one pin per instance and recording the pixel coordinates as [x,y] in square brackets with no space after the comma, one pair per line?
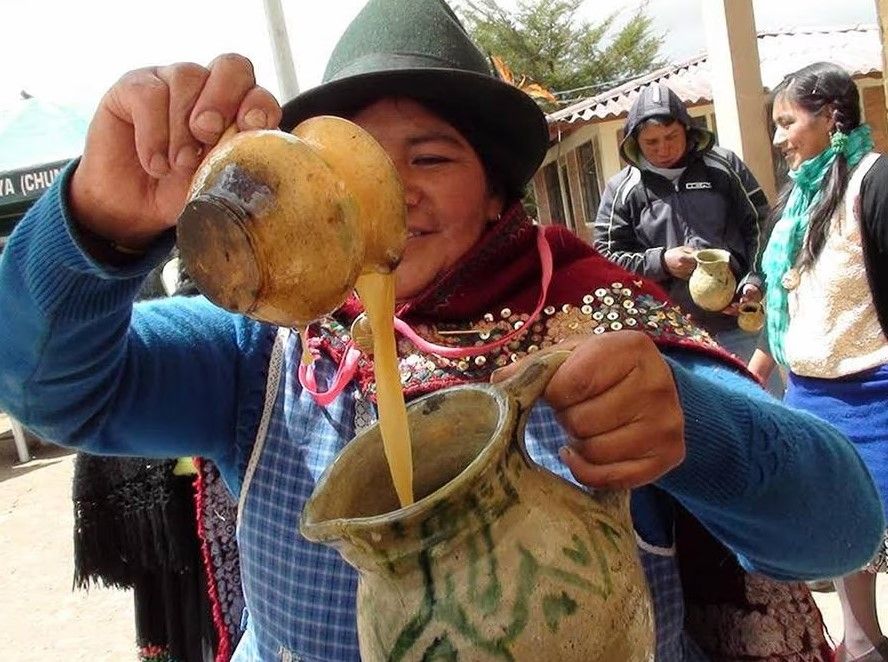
[544,41]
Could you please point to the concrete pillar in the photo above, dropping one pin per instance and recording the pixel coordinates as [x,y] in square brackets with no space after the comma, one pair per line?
[288,86]
[737,91]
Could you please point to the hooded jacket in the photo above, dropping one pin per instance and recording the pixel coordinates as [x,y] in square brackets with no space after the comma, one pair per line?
[715,203]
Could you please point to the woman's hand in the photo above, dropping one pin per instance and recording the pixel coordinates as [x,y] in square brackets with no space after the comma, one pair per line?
[761,364]
[616,398]
[749,294]
[148,136]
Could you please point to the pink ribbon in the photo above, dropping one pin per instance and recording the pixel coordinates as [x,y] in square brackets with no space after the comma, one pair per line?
[349,364]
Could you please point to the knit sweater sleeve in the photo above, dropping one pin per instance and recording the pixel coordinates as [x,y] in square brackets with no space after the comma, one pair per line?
[81,366]
[786,492]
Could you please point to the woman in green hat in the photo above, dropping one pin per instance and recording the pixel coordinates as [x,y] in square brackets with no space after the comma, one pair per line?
[646,400]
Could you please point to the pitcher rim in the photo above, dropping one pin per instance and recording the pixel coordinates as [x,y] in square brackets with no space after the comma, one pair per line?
[329,528]
[721,255]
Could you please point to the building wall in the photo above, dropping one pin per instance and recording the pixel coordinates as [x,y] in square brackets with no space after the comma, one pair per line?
[872,101]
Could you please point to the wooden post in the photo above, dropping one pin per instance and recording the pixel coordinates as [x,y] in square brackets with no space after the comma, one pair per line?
[541,195]
[737,91]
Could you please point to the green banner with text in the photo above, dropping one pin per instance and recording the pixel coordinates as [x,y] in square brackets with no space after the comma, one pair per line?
[27,183]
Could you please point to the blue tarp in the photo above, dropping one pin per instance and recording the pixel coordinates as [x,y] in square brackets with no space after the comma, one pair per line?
[34,132]
[37,139]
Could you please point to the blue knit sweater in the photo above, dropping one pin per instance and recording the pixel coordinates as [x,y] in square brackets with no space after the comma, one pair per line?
[81,366]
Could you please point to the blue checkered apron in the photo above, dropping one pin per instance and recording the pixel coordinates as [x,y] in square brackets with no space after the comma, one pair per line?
[300,596]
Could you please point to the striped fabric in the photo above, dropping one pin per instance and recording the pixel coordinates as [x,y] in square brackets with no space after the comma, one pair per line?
[301,596]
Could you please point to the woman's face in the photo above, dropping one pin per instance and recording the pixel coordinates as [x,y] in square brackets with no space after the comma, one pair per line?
[445,188]
[800,134]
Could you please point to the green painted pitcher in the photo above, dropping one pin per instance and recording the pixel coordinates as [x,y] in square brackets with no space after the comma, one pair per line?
[498,559]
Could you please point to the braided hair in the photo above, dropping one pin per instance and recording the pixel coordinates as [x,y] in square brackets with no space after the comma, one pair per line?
[817,88]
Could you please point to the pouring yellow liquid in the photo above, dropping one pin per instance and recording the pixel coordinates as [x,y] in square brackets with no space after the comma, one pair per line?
[290,282]
[377,293]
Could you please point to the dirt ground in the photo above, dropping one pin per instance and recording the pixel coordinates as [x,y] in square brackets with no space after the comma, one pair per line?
[44,620]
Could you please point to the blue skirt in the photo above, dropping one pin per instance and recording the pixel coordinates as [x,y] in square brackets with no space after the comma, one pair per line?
[857,406]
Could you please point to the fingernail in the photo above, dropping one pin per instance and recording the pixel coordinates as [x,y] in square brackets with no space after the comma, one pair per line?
[256,119]
[187,158]
[565,453]
[497,375]
[159,165]
[210,121]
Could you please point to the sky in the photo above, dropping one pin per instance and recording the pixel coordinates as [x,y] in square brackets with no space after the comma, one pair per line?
[71,51]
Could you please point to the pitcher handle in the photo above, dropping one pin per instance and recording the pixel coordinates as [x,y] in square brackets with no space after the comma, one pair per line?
[526,386]
[531,380]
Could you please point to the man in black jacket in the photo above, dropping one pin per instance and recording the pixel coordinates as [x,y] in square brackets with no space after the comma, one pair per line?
[679,194]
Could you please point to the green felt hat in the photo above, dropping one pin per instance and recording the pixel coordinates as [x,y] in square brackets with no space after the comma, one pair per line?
[419,49]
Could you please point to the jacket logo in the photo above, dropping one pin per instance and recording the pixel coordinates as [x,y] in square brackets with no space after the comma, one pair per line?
[694,186]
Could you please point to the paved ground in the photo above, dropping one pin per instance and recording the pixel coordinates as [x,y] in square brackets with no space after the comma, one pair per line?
[44,620]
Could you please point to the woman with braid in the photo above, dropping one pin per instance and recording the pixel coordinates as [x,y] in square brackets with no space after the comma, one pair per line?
[827,293]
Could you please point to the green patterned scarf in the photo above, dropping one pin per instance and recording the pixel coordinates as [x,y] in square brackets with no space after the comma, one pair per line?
[789,233]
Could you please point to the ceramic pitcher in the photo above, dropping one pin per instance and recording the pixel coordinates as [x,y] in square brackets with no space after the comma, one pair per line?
[497,559]
[712,284]
[279,225]
[751,316]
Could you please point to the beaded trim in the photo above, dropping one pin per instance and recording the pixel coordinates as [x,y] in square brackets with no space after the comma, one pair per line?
[606,309]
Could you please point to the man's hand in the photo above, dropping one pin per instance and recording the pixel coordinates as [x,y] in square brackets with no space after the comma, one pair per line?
[680,261]
[148,137]
[616,398]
